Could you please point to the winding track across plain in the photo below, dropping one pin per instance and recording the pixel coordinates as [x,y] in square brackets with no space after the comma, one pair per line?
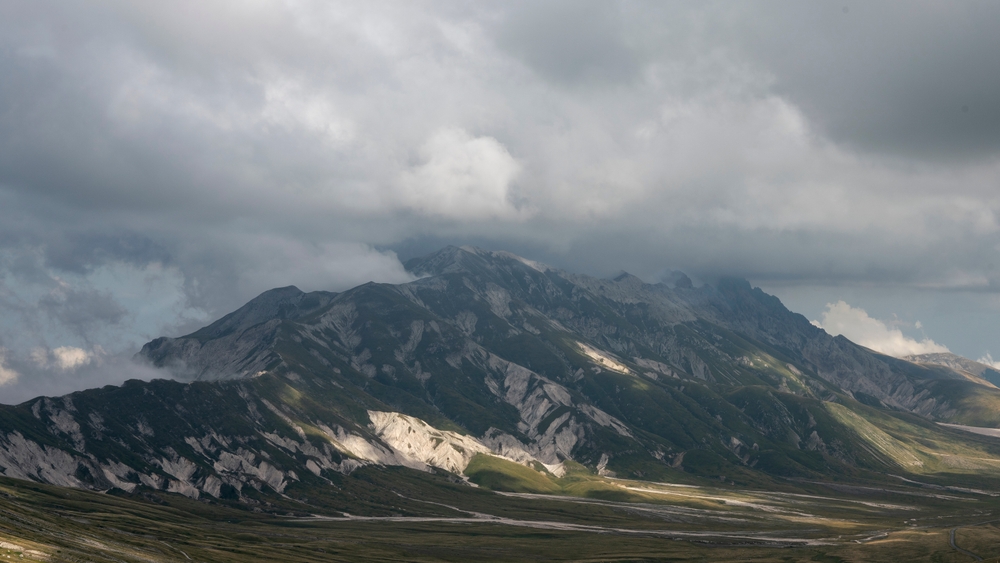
[951,539]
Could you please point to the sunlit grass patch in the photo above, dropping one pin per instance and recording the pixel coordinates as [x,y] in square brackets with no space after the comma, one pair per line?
[883,445]
[502,475]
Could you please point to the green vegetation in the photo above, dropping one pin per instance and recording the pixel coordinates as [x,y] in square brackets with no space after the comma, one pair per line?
[498,474]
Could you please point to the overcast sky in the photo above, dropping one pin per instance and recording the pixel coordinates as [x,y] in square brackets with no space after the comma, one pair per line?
[162,163]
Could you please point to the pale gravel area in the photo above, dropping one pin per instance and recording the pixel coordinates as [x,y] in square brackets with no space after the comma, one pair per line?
[757,538]
[992,432]
[745,523]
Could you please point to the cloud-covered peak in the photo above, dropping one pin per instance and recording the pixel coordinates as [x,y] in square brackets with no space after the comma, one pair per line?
[170,161]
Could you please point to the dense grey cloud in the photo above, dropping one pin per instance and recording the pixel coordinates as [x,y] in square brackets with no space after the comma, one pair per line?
[914,81]
[161,164]
[82,310]
[571,42]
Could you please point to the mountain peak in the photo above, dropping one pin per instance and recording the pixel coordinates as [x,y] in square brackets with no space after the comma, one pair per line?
[279,303]
[628,279]
[447,260]
[678,280]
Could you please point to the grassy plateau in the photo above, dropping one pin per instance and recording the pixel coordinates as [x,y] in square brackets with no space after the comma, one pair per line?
[582,517]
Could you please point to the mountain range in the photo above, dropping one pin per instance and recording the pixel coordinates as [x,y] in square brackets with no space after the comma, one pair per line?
[502,372]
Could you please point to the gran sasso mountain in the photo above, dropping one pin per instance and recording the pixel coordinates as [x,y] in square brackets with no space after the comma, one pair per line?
[488,356]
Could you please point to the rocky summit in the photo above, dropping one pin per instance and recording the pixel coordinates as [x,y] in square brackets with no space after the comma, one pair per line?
[497,370]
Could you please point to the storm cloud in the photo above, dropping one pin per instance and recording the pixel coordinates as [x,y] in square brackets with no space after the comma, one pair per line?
[160,164]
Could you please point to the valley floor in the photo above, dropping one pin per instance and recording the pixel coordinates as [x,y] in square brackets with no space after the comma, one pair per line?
[658,522]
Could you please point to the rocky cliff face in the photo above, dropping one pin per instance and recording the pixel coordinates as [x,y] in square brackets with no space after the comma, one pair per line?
[485,353]
[220,440]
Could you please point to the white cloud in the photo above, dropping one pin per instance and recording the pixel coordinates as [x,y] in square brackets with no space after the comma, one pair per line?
[7,375]
[988,360]
[66,358]
[271,261]
[287,106]
[69,357]
[462,177]
[855,324]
